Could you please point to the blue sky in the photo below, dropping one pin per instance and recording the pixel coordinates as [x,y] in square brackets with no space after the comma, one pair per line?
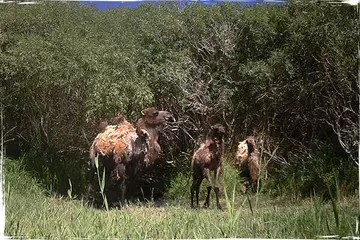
[133,3]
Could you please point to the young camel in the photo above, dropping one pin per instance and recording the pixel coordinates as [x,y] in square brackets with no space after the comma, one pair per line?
[123,149]
[207,158]
[247,159]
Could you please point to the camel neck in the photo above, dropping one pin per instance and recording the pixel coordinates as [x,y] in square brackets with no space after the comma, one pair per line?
[149,127]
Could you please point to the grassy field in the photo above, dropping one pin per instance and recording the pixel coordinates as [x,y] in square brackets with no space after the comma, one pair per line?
[33,213]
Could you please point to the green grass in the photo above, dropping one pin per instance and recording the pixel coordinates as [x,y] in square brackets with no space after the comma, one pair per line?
[32,213]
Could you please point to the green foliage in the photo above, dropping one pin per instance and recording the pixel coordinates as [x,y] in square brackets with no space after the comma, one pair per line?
[20,181]
[324,173]
[180,187]
[286,73]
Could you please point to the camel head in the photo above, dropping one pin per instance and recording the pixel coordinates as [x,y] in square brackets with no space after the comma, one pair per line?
[217,131]
[152,116]
[251,142]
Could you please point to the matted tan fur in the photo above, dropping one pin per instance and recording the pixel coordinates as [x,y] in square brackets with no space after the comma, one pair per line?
[113,140]
[123,149]
[248,157]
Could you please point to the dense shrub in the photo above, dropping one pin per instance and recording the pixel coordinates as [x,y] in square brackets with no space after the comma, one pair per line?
[286,73]
[324,173]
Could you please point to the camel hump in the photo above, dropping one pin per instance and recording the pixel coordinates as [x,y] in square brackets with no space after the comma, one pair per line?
[113,138]
[103,125]
[242,153]
[119,119]
[242,150]
[119,150]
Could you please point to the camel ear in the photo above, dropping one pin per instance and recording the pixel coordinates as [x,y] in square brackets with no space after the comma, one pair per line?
[146,111]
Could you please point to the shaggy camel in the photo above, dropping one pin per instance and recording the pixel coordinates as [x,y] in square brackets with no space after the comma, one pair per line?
[123,149]
[207,158]
[247,159]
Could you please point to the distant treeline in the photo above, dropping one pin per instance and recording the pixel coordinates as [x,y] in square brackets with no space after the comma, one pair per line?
[284,73]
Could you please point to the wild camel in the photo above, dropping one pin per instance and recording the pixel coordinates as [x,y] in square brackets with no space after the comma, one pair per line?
[247,159]
[122,150]
[207,158]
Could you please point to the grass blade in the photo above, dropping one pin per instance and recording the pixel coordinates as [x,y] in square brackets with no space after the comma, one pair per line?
[334,208]
[103,181]
[69,191]
[97,162]
[251,208]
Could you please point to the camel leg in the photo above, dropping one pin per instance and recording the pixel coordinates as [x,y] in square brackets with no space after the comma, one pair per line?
[123,191]
[254,171]
[122,183]
[195,187]
[217,187]
[197,179]
[209,187]
[197,191]
[90,196]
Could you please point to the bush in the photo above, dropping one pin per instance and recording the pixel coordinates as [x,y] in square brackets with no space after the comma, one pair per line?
[323,173]
[19,181]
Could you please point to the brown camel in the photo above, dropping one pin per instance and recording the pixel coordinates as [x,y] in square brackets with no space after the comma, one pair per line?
[207,158]
[122,150]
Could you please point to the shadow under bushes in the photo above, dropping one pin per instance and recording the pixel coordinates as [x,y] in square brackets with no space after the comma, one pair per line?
[56,170]
[325,172]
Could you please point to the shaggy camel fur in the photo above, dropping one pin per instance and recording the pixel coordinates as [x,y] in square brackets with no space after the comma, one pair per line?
[247,159]
[207,158]
[123,149]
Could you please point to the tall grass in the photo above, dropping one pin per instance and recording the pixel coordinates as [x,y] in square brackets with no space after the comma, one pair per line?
[101,183]
[180,184]
[33,213]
